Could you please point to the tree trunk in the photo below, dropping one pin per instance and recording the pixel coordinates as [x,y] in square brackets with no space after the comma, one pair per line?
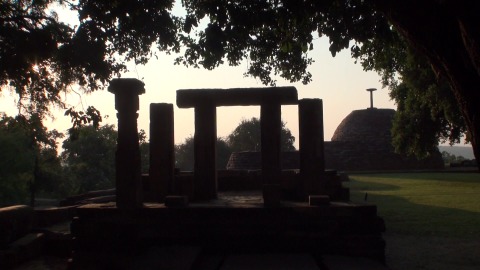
[33,184]
[447,33]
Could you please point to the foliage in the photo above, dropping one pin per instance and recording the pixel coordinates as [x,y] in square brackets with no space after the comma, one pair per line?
[28,160]
[16,164]
[276,38]
[79,119]
[247,137]
[427,113]
[451,158]
[223,154]
[144,151]
[51,174]
[90,159]
[42,56]
[184,153]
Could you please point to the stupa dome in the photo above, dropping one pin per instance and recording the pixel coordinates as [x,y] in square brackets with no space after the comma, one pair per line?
[370,125]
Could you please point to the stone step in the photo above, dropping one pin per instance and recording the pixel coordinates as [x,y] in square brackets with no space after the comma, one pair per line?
[278,261]
[335,262]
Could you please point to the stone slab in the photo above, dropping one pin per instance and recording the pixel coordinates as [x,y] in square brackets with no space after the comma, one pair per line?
[239,224]
[278,261]
[15,222]
[317,200]
[22,250]
[335,262]
[189,98]
[172,258]
[176,201]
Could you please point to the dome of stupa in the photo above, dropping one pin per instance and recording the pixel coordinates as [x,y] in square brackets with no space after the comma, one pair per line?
[370,125]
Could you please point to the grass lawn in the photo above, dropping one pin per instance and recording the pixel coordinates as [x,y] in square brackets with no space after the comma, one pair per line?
[441,204]
[432,219]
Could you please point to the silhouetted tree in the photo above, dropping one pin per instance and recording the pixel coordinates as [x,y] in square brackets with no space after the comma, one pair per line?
[28,160]
[184,154]
[90,158]
[247,137]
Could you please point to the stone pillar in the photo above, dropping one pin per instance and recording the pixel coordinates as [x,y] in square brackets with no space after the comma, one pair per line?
[271,128]
[162,153]
[127,161]
[311,141]
[205,138]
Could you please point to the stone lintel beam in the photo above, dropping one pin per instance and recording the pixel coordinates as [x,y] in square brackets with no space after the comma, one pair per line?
[189,98]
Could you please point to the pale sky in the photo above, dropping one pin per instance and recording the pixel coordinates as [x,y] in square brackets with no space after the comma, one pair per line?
[339,82]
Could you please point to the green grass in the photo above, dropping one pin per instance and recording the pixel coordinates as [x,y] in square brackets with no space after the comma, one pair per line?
[423,204]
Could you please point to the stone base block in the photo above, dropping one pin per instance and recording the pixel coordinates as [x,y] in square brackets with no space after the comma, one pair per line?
[104,233]
[318,200]
[176,201]
[272,195]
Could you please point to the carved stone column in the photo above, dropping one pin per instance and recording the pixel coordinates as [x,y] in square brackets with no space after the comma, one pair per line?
[162,156]
[271,129]
[205,138]
[127,161]
[311,141]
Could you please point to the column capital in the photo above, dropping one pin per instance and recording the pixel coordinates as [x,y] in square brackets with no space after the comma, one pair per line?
[126,85]
[126,91]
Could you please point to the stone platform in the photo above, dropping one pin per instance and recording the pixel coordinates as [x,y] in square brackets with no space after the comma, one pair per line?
[108,237]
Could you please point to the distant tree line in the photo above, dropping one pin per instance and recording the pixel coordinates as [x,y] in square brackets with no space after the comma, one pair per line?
[245,137]
[31,167]
[452,160]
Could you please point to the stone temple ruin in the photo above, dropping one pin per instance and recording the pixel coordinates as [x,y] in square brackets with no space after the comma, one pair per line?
[361,142]
[291,211]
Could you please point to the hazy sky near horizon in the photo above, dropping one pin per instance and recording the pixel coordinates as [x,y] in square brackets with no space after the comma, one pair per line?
[338,81]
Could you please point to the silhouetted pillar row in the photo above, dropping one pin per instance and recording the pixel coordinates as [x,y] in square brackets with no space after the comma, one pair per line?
[162,157]
[271,128]
[311,142]
[127,160]
[205,173]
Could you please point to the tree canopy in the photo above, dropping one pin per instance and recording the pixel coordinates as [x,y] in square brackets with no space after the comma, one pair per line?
[41,56]
[247,137]
[90,158]
[184,153]
[427,112]
[277,37]
[28,159]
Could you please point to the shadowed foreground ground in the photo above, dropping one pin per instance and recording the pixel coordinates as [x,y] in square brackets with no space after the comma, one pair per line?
[403,252]
[432,224]
[432,252]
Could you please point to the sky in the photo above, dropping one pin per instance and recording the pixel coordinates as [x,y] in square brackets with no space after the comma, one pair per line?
[338,81]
